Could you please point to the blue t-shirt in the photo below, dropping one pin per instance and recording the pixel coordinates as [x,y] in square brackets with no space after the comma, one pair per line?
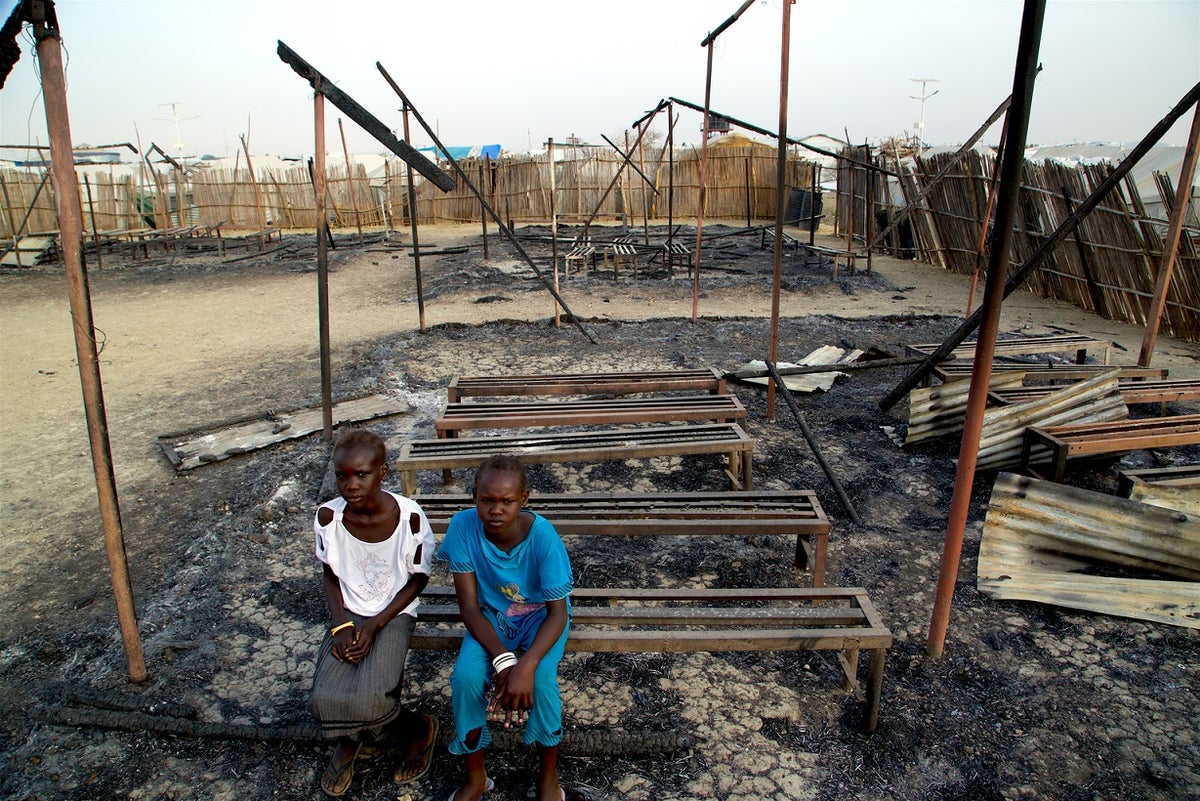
[510,585]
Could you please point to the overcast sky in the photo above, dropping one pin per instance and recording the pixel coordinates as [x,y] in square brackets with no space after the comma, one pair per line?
[517,72]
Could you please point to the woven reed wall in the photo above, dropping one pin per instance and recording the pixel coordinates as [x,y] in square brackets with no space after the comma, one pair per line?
[1107,266]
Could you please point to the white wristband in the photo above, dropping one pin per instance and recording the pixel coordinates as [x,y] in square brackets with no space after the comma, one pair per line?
[504,661]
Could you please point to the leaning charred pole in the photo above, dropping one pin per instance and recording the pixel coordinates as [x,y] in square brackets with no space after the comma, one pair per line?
[1011,163]
[627,161]
[1065,229]
[70,226]
[365,119]
[466,179]
[777,381]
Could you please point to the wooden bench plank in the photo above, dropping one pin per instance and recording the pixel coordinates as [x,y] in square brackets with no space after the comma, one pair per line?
[1099,439]
[611,411]
[789,513]
[622,383]
[590,446]
[778,619]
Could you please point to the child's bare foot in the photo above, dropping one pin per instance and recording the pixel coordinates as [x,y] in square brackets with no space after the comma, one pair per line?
[419,754]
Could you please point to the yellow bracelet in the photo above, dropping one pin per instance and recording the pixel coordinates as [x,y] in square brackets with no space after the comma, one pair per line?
[333,631]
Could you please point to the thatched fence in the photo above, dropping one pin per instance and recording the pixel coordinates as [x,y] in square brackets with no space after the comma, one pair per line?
[1107,266]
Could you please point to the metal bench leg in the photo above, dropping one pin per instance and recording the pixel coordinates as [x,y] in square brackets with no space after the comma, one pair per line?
[408,482]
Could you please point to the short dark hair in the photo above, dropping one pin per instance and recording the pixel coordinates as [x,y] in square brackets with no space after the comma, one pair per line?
[362,438]
[505,462]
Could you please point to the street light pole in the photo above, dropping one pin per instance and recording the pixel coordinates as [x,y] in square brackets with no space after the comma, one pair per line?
[922,97]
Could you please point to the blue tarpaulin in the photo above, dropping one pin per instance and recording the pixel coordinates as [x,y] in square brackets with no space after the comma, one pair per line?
[468,152]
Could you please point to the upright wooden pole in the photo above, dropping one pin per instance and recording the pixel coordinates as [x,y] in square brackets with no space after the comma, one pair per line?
[993,297]
[747,175]
[642,165]
[700,200]
[262,220]
[1183,195]
[671,120]
[95,234]
[322,262]
[553,224]
[12,222]
[780,196]
[350,181]
[412,222]
[70,226]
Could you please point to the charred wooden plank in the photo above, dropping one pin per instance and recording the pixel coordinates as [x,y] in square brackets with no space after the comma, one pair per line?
[365,119]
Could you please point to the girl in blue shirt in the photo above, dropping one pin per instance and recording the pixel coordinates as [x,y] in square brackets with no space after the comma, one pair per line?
[513,580]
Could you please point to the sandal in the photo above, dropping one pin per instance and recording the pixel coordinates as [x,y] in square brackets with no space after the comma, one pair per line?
[490,785]
[336,781]
[410,770]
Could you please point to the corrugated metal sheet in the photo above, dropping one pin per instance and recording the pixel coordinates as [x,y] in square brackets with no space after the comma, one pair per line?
[939,411]
[1039,537]
[1182,499]
[1094,400]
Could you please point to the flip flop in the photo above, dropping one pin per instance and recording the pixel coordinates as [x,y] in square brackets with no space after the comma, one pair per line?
[336,782]
[423,760]
[490,784]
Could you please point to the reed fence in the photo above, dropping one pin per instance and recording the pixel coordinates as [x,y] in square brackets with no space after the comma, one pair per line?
[740,184]
[1107,266]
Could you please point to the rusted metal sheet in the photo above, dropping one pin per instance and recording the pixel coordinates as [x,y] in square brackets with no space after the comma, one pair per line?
[1040,536]
[939,411]
[188,450]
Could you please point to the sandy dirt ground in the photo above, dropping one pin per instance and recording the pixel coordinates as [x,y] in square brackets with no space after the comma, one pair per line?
[188,341]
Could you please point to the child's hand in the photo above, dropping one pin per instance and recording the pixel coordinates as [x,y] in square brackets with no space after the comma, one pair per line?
[364,638]
[512,697]
[341,642]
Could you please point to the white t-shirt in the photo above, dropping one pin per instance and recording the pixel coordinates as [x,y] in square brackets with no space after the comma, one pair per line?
[371,573]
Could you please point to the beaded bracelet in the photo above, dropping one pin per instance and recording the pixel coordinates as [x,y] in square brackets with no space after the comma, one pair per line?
[504,661]
[348,624]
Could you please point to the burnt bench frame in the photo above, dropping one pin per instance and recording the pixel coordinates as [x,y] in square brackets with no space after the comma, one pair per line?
[707,620]
[1103,439]
[630,382]
[593,445]
[781,512]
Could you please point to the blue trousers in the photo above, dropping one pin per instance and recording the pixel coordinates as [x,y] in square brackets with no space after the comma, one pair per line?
[473,674]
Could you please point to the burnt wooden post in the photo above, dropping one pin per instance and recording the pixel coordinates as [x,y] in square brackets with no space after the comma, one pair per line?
[412,221]
[319,188]
[1183,195]
[780,197]
[553,222]
[707,43]
[70,226]
[671,120]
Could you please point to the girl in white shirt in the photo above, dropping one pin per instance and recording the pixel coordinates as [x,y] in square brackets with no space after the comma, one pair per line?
[376,548]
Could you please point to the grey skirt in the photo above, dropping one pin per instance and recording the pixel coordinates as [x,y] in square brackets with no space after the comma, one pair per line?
[359,700]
